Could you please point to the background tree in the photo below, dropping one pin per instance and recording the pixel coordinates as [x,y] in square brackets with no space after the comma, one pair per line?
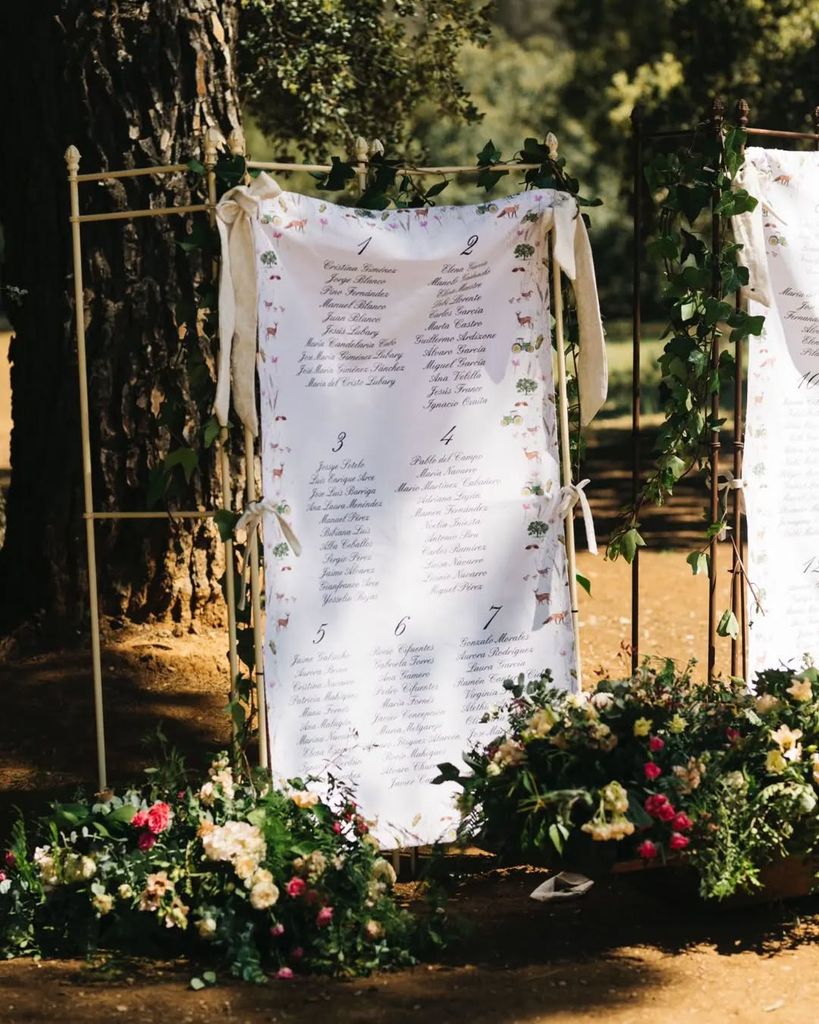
[133,83]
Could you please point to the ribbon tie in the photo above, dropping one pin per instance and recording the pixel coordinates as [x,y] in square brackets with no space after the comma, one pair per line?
[250,520]
[570,495]
[730,483]
[235,213]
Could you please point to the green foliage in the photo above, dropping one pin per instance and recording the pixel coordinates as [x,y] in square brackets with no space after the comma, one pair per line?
[657,766]
[319,73]
[266,880]
[700,279]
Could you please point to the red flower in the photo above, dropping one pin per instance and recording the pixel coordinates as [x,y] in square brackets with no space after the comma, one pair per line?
[146,841]
[159,817]
[678,842]
[732,735]
[337,827]
[324,917]
[654,803]
[296,886]
[11,860]
[656,744]
[652,771]
[647,850]
[666,812]
[140,819]
[296,953]
[311,898]
[681,822]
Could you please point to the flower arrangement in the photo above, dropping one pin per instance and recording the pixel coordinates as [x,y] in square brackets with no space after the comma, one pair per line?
[277,881]
[657,767]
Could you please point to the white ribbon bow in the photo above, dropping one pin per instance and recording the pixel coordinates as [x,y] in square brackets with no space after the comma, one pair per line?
[570,495]
[235,214]
[730,483]
[250,520]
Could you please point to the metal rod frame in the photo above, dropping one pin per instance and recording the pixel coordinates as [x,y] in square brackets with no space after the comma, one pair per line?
[212,141]
[739,598]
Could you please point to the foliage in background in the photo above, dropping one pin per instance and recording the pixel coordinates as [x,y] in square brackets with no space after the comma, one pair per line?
[317,73]
[692,185]
[269,881]
[655,767]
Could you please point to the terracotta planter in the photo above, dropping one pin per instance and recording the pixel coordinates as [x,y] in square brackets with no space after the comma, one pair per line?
[785,879]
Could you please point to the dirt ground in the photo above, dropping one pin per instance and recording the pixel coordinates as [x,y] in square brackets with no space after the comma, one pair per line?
[623,955]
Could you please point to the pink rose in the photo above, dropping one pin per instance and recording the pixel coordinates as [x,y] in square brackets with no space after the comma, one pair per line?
[284,973]
[654,803]
[311,898]
[2,876]
[681,822]
[324,917]
[297,953]
[666,812]
[277,930]
[656,744]
[647,850]
[732,735]
[296,886]
[337,827]
[11,860]
[146,841]
[158,818]
[678,842]
[140,819]
[180,795]
[652,771]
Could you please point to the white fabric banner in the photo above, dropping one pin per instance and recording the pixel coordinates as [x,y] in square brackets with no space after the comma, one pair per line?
[782,428]
[409,438]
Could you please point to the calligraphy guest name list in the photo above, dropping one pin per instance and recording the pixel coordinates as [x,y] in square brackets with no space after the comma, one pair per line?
[343,496]
[324,688]
[453,344]
[351,350]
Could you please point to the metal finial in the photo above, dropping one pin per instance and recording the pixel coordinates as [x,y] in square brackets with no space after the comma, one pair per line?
[376,148]
[213,138]
[72,159]
[743,113]
[236,142]
[551,145]
[362,149]
[717,111]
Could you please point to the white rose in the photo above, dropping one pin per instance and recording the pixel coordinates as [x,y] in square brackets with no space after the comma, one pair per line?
[263,895]
[245,866]
[206,927]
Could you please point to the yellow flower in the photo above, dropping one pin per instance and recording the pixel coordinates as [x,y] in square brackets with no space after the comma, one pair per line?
[677,724]
[541,723]
[304,798]
[800,690]
[775,762]
[642,727]
[767,702]
[788,741]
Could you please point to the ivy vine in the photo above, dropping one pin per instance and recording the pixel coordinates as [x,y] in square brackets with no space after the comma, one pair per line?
[701,281]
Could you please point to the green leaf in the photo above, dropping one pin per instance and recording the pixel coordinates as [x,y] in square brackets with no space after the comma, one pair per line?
[436,189]
[490,154]
[728,625]
[186,458]
[556,838]
[197,984]
[226,522]
[698,560]
[209,977]
[337,177]
[196,166]
[584,582]
[210,431]
[158,481]
[629,542]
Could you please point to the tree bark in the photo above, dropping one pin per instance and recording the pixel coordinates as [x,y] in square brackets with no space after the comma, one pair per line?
[130,83]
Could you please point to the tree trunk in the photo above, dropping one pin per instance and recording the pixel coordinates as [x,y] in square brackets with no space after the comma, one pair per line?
[130,83]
